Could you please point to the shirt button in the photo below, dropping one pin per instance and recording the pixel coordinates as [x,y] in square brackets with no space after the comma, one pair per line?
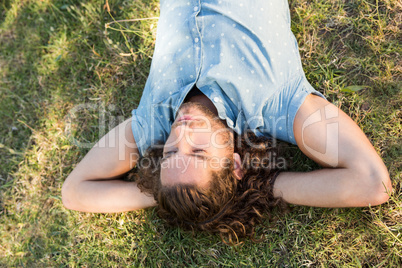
[196,40]
[216,99]
[195,8]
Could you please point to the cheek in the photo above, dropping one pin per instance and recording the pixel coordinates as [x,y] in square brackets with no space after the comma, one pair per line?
[220,139]
[164,176]
[167,144]
[169,139]
[172,139]
[219,163]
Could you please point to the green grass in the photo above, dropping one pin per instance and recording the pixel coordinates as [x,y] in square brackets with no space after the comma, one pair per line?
[55,55]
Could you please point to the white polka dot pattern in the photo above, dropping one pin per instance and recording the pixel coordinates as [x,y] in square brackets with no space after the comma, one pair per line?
[240,54]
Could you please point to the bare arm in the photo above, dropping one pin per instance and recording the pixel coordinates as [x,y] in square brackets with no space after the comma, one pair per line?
[354,175]
[93,185]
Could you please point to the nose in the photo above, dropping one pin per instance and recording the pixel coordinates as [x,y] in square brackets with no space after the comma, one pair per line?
[183,132]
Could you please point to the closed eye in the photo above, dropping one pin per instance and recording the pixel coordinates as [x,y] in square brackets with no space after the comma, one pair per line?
[167,154]
[196,153]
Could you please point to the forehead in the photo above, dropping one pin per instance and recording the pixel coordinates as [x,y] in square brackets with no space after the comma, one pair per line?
[186,170]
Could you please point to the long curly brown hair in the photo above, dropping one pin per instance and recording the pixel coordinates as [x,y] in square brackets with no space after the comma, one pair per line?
[229,206]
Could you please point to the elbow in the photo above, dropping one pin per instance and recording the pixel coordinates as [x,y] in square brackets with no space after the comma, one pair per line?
[382,188]
[66,195]
[377,187]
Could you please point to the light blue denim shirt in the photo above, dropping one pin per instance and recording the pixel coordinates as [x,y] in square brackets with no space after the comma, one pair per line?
[240,53]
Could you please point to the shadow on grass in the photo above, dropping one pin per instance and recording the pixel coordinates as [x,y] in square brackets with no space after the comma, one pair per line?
[53,57]
[36,87]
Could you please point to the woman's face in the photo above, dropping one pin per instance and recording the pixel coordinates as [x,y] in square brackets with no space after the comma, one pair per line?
[198,144]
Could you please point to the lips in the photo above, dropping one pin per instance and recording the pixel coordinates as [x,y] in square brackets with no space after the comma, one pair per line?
[185,117]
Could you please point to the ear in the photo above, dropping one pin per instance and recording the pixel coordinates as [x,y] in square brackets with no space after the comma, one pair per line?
[237,172]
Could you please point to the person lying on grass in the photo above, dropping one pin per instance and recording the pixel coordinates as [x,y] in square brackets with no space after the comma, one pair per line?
[226,80]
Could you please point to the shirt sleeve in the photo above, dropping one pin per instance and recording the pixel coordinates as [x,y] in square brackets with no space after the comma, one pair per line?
[148,129]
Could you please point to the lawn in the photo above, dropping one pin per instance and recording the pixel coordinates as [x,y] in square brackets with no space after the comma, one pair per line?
[66,79]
